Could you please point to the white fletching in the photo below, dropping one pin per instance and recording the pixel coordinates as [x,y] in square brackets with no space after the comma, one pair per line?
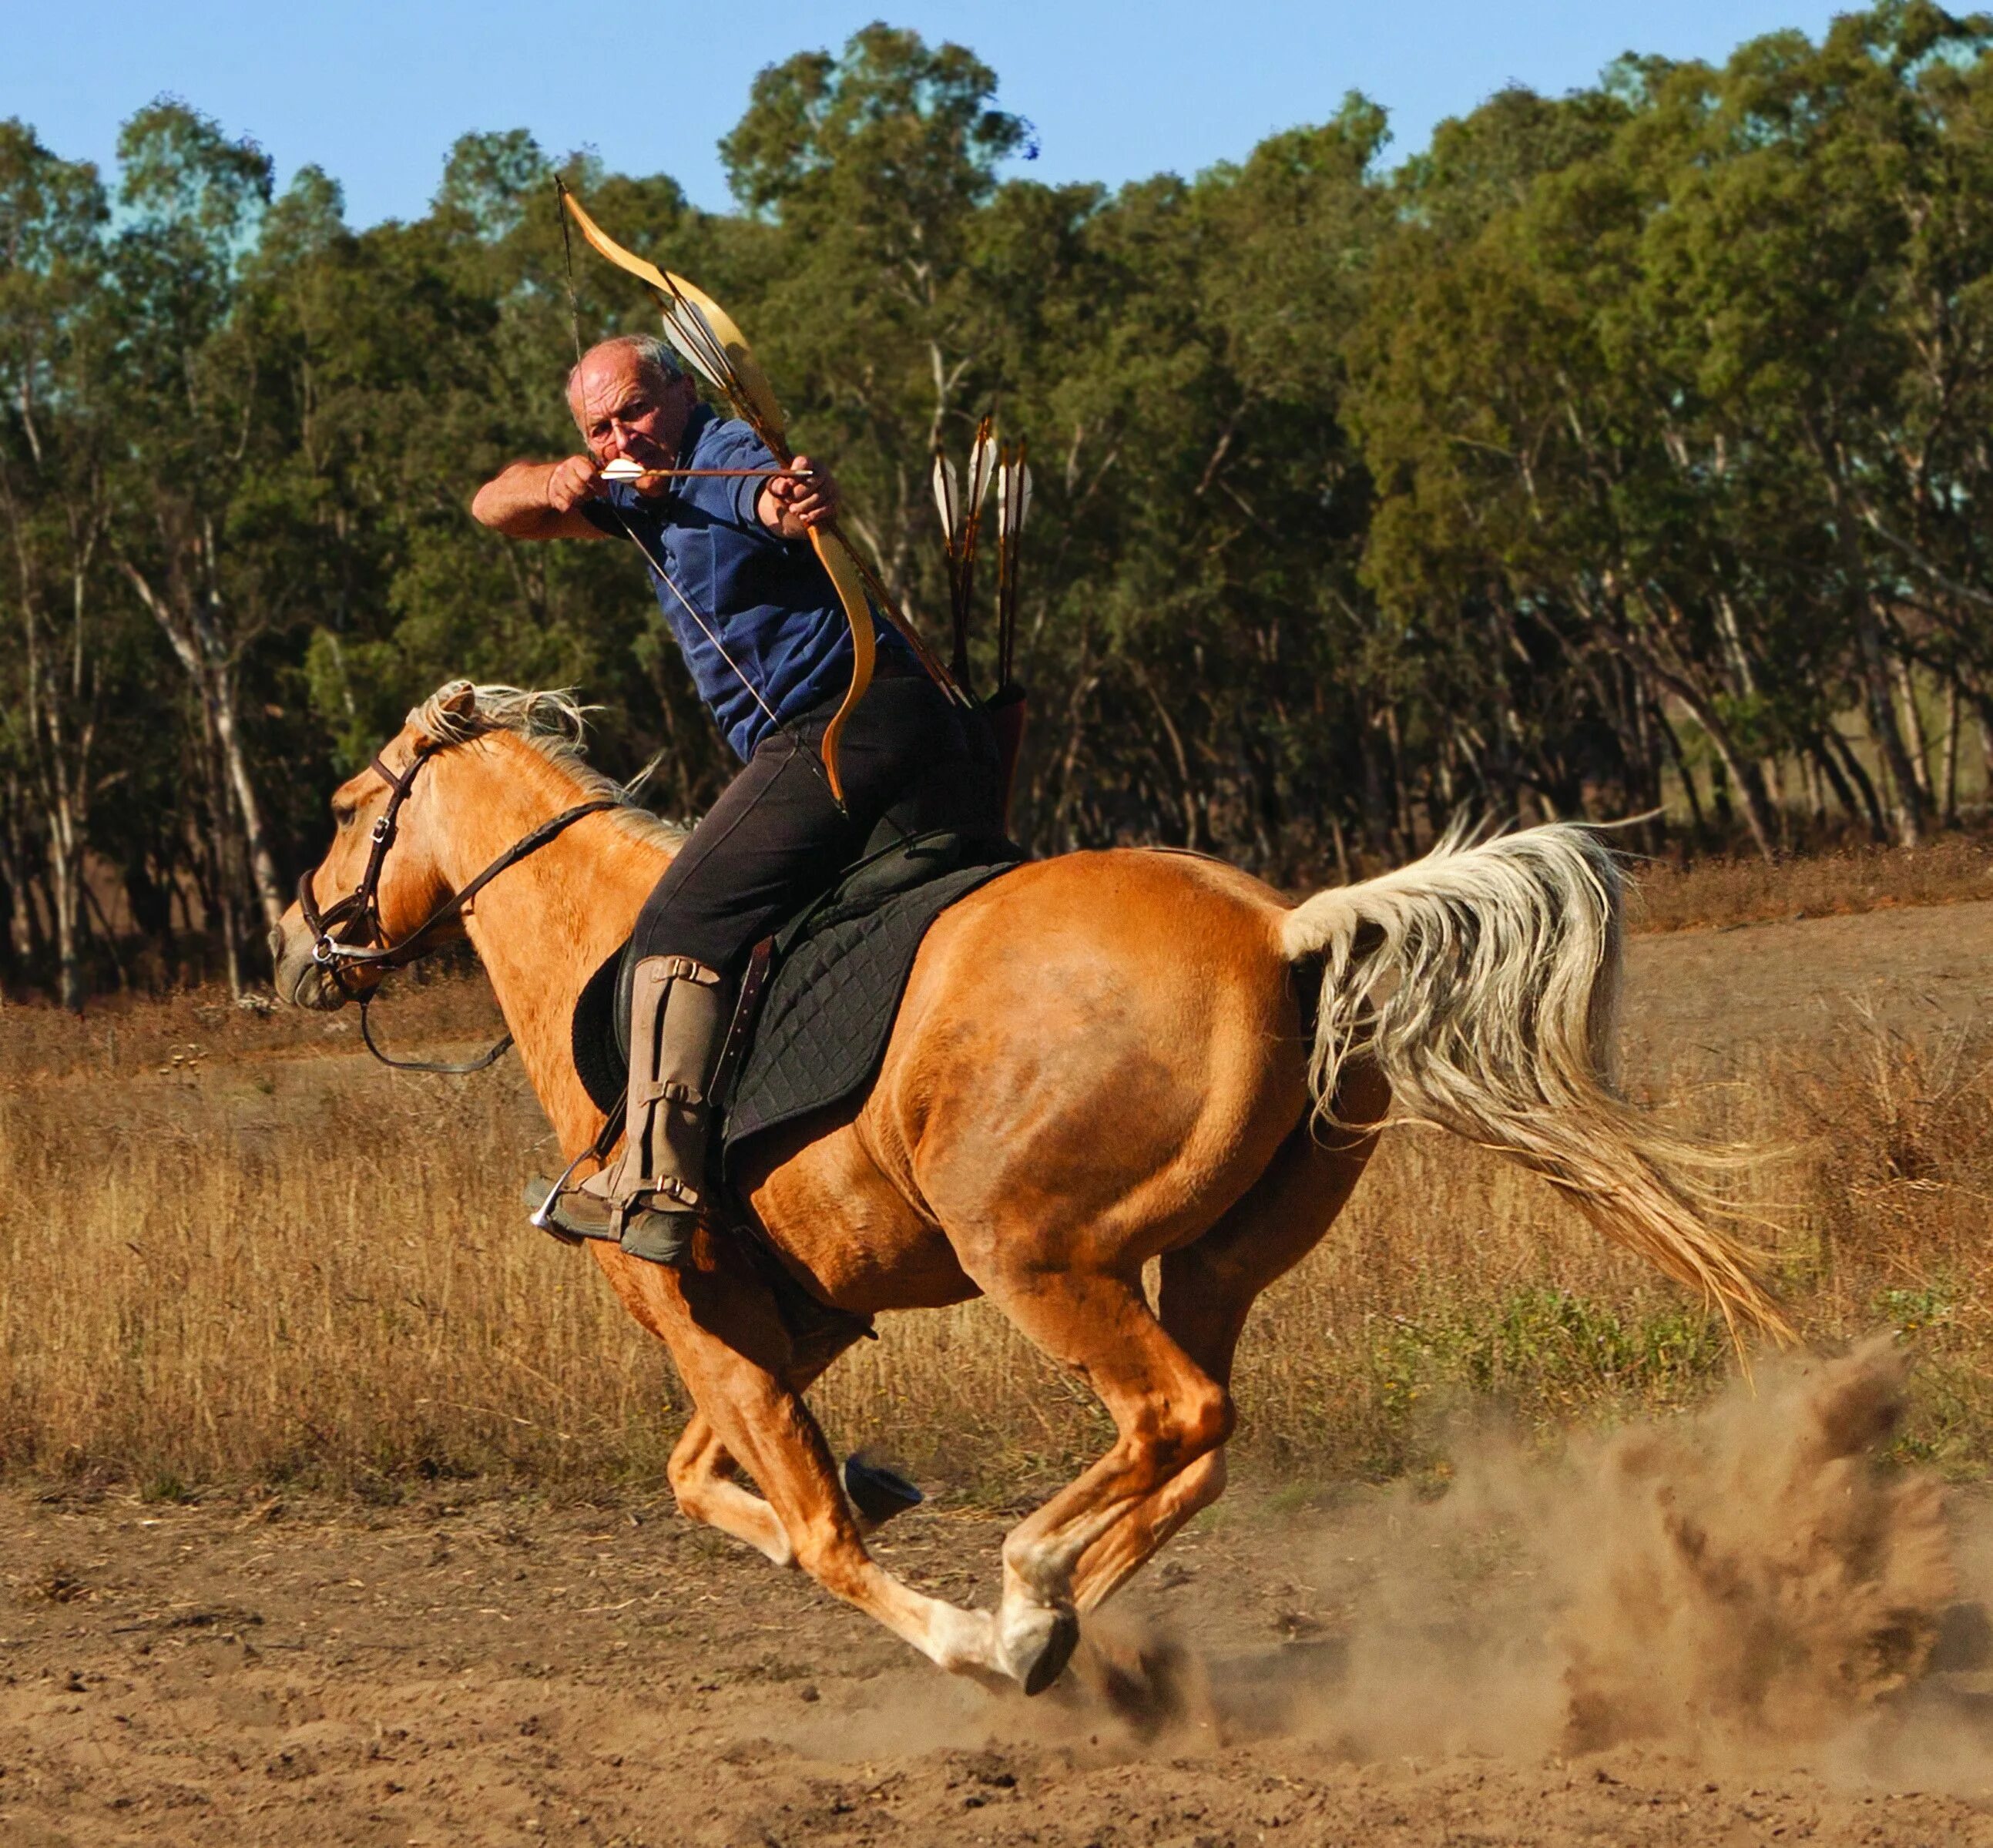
[947,496]
[690,332]
[981,464]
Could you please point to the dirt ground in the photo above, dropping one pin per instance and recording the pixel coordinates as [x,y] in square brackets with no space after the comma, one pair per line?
[1725,991]
[497,1673]
[497,1670]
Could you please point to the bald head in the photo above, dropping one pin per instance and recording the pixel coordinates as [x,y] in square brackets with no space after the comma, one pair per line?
[642,355]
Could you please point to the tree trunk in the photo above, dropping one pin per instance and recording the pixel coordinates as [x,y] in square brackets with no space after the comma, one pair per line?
[1910,805]
[198,643]
[1871,804]
[1913,726]
[1690,792]
[1948,807]
[262,867]
[1742,772]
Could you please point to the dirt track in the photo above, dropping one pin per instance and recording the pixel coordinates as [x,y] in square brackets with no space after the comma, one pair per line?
[1722,991]
[228,1674]
[498,1671]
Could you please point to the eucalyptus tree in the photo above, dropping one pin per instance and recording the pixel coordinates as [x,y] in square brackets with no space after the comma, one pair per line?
[872,166]
[198,429]
[58,654]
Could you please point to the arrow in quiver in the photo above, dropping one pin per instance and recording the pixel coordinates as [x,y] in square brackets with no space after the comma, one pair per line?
[960,525]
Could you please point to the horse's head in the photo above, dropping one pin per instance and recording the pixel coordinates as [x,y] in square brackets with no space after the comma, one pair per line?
[381,877]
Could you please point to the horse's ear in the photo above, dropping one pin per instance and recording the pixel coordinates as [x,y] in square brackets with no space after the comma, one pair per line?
[445,715]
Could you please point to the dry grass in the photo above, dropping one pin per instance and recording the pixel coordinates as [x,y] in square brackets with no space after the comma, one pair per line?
[272,1266]
[1748,891]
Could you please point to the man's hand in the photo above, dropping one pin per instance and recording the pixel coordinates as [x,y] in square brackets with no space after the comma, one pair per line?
[572,481]
[789,507]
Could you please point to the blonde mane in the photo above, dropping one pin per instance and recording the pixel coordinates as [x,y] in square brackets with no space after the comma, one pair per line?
[555,723]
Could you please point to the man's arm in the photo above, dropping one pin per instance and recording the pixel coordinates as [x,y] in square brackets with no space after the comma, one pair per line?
[540,500]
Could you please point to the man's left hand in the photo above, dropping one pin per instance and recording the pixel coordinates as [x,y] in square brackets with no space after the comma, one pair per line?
[789,507]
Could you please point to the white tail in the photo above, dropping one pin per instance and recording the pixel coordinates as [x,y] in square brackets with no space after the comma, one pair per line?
[1484,981]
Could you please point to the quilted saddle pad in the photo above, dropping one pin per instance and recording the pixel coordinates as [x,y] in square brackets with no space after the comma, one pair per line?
[833,993]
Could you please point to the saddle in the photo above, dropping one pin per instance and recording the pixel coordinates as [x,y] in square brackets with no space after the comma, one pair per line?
[818,998]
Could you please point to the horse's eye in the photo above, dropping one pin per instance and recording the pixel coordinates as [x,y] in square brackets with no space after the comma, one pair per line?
[343,813]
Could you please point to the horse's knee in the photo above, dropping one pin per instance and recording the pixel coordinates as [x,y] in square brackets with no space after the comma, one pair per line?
[829,1549]
[705,1492]
[690,1470]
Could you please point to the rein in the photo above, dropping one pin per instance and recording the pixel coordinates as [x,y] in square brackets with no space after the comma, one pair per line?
[348,931]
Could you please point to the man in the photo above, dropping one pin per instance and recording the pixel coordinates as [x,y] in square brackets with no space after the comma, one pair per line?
[769,648]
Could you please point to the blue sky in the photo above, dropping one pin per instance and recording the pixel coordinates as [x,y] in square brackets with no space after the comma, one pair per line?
[375,94]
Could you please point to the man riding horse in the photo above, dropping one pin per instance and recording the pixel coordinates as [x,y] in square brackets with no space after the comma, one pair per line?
[725,531]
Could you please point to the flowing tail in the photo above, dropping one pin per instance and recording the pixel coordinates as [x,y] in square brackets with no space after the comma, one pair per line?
[1483,980]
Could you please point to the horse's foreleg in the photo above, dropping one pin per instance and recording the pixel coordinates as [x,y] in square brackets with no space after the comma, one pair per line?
[701,1473]
[735,1363]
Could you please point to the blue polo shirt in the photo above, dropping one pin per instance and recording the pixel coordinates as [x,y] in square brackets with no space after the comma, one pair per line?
[767,602]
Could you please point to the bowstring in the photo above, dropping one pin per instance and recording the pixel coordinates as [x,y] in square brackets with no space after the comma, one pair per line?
[567,257]
[797,743]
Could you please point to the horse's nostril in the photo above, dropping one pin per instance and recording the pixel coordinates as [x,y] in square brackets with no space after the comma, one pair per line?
[276,943]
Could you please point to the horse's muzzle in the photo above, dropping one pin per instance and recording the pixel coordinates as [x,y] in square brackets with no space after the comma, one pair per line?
[298,976]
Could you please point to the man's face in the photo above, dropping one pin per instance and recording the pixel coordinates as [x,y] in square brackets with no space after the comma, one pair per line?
[623,409]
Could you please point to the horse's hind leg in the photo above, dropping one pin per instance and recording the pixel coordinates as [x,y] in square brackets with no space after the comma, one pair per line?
[1169,1413]
[1208,1287]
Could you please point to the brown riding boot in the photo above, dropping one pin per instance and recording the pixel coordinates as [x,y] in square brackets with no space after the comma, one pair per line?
[654,1193]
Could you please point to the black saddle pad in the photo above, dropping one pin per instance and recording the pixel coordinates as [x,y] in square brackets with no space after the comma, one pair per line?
[836,975]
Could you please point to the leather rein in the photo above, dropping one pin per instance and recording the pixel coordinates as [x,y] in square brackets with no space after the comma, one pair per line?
[349,932]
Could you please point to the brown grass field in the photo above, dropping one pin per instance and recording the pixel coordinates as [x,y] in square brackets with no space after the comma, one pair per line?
[332,1504]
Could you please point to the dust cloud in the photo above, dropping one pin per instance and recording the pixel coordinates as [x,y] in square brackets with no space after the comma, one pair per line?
[1734,1585]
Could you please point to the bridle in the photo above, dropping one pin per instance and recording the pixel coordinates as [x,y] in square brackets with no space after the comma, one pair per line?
[349,932]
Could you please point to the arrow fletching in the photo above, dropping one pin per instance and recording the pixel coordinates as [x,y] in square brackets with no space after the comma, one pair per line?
[948,500]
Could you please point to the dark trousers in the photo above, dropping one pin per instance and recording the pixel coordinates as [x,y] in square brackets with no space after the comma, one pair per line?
[776,839]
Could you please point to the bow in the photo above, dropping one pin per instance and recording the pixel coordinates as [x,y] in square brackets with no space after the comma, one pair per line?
[705,335]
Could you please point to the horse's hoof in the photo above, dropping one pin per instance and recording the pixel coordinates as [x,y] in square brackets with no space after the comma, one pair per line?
[1036,1645]
[877,1493]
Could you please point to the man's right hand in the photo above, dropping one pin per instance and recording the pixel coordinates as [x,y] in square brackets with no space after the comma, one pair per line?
[572,481]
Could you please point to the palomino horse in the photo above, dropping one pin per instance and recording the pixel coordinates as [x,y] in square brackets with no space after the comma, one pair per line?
[1100,1059]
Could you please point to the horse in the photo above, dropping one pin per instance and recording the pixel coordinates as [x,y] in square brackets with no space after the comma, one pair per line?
[1100,1059]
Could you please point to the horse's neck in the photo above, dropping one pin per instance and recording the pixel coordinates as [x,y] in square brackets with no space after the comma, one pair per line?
[544,925]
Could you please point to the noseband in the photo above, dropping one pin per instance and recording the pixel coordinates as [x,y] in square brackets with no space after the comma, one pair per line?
[348,931]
